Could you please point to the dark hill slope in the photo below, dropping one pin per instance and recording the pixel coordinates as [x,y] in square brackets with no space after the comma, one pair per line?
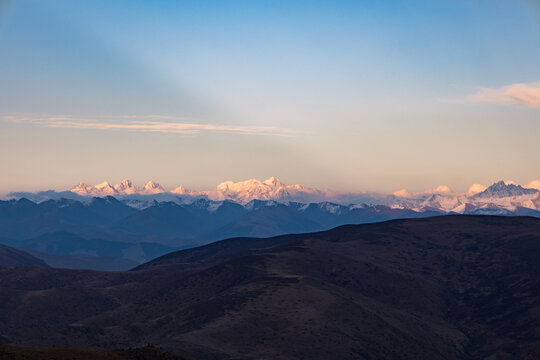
[454,287]
[14,257]
[8,352]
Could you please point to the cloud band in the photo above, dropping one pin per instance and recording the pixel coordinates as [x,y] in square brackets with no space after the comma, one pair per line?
[515,94]
[151,123]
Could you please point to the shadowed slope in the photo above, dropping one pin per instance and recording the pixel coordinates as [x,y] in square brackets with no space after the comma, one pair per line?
[454,287]
[14,257]
[32,353]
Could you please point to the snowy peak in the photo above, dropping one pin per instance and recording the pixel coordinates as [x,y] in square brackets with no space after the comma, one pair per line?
[273,182]
[506,195]
[125,187]
[253,189]
[503,189]
[82,189]
[270,189]
[181,190]
[151,187]
[105,188]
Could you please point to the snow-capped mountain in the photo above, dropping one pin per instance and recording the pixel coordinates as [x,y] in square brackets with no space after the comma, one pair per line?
[245,191]
[241,192]
[125,187]
[501,189]
[269,189]
[103,189]
[182,190]
[502,195]
[151,187]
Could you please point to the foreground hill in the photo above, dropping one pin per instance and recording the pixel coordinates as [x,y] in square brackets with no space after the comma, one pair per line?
[14,257]
[453,287]
[80,261]
[32,353]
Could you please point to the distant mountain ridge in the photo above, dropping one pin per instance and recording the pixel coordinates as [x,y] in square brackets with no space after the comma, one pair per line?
[137,228]
[137,223]
[95,231]
[241,192]
[125,187]
[501,196]
[501,189]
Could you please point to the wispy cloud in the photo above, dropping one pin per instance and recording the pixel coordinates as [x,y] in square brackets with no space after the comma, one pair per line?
[147,123]
[514,94]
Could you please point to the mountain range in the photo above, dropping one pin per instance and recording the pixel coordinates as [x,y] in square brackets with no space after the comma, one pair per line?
[241,192]
[447,287]
[125,187]
[99,232]
[501,196]
[69,230]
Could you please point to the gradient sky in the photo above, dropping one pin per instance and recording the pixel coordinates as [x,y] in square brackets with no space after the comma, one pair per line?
[347,95]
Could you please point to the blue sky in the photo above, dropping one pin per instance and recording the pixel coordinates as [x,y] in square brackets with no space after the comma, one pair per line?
[346,95]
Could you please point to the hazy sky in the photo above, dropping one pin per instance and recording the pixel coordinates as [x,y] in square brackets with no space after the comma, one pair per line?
[346,95]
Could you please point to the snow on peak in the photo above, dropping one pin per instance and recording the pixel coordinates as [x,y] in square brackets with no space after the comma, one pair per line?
[125,187]
[245,191]
[502,195]
[269,189]
[103,185]
[105,189]
[102,189]
[82,189]
[503,189]
[182,190]
[82,185]
[151,187]
[273,182]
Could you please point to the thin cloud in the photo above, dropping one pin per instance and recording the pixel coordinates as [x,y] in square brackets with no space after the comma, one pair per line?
[147,123]
[515,94]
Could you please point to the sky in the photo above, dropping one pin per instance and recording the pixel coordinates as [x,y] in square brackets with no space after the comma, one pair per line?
[345,95]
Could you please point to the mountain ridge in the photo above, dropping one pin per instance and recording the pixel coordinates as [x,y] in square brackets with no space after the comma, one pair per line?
[10,256]
[499,196]
[97,230]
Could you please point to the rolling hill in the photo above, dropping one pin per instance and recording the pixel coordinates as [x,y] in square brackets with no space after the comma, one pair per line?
[33,353]
[452,287]
[14,257]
